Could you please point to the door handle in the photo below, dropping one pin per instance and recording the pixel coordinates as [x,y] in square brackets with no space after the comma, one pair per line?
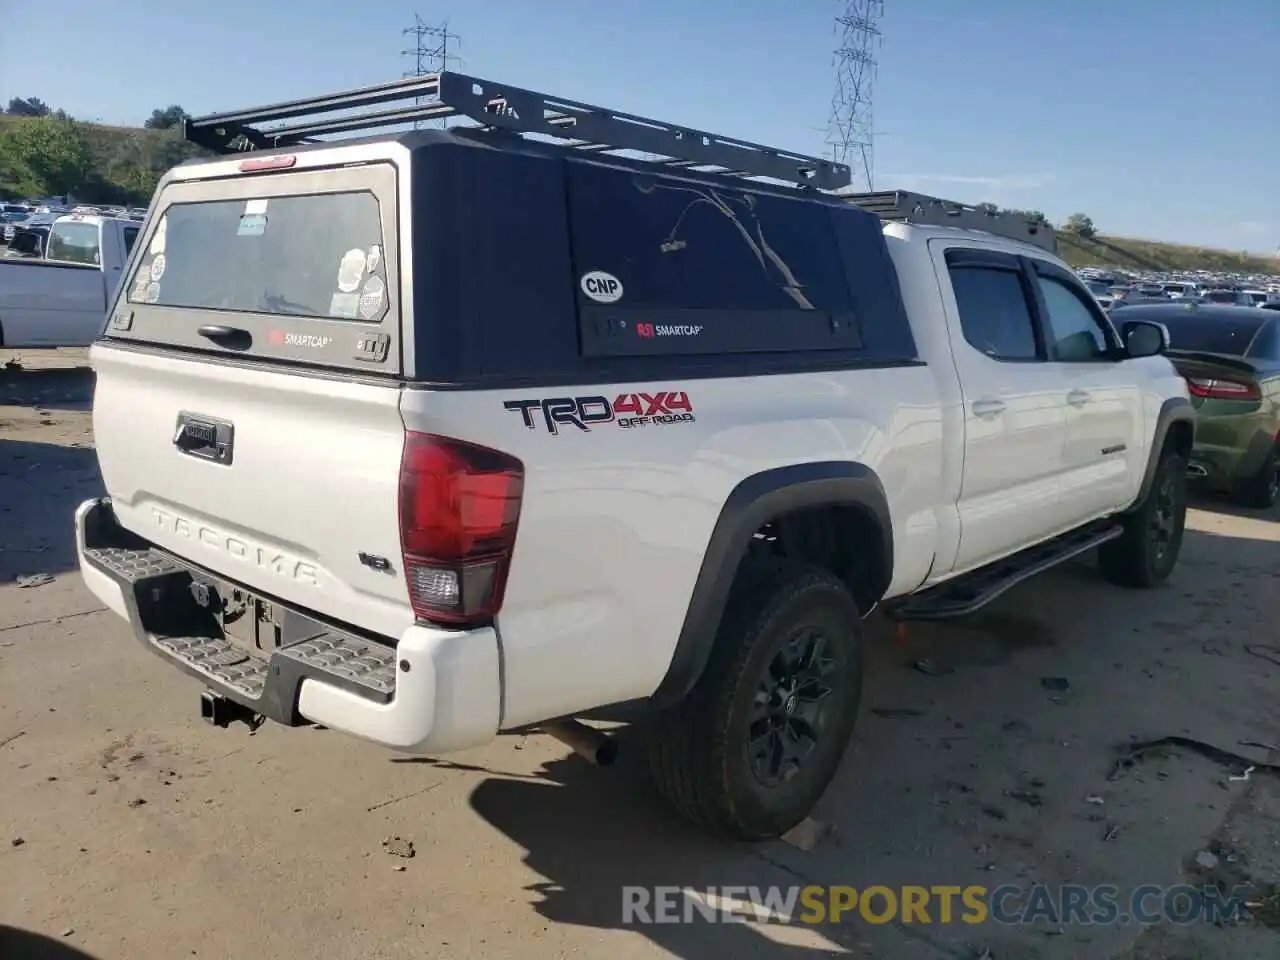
[988,408]
[1078,398]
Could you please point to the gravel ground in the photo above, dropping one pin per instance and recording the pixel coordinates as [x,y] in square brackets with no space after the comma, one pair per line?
[131,829]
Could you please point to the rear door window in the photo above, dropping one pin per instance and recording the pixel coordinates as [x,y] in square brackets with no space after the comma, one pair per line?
[286,266]
[666,266]
[995,316]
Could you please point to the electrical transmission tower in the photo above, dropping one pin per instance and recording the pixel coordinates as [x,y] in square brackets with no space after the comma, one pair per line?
[849,129]
[430,49]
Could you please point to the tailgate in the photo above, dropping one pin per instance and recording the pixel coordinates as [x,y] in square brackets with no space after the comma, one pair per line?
[273,479]
[247,404]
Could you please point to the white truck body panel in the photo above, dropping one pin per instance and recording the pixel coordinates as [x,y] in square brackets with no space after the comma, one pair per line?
[269,520]
[615,523]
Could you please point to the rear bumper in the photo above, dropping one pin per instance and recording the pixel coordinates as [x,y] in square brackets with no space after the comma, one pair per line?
[434,691]
[1223,459]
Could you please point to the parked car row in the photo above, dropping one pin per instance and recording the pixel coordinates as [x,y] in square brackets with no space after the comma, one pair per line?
[34,217]
[1116,288]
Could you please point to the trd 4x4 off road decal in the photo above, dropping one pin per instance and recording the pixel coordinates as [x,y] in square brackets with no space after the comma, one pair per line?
[627,410]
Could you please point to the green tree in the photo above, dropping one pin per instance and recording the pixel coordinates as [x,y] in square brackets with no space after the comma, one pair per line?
[45,155]
[1080,225]
[27,107]
[1035,216]
[165,118]
[130,167]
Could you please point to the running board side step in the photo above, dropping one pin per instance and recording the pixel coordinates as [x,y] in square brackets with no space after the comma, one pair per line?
[972,591]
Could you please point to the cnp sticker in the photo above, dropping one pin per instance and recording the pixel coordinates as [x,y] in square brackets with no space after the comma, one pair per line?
[601,287]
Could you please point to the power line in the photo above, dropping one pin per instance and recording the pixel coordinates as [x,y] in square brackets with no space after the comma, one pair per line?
[850,133]
[431,48]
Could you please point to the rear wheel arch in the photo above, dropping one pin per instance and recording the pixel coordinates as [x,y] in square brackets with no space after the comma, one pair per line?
[831,514]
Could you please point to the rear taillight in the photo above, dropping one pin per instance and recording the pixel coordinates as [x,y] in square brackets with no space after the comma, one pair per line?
[1223,389]
[459,505]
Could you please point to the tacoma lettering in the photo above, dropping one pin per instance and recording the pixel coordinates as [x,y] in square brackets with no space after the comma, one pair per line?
[270,561]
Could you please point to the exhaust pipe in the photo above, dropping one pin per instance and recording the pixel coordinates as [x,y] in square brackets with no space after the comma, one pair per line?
[587,742]
[1195,470]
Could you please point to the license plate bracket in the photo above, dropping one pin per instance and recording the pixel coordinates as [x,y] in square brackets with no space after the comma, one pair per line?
[250,622]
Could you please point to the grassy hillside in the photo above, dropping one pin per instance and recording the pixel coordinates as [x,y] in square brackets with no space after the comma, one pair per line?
[124,162]
[1125,254]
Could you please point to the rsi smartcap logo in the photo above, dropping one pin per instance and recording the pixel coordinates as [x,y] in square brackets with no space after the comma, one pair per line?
[650,330]
[312,341]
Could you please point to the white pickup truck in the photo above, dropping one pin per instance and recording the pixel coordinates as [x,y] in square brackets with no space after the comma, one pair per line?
[431,436]
[60,299]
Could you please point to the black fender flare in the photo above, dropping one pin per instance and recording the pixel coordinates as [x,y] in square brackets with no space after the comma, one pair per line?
[1173,410]
[752,503]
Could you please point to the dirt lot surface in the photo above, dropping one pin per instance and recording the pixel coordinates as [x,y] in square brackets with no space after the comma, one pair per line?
[129,829]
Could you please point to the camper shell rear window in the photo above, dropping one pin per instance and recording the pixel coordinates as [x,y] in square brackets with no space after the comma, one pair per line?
[316,255]
[299,266]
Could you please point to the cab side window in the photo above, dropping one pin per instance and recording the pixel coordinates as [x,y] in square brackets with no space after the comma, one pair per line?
[995,316]
[1072,330]
[130,238]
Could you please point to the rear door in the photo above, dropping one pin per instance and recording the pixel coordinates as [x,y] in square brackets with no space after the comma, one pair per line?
[1013,418]
[247,406]
[76,292]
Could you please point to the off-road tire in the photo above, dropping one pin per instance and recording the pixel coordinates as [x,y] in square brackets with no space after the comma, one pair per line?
[698,750]
[1135,558]
[1262,490]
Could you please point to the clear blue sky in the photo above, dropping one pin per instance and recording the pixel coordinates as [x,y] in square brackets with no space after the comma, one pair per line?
[1158,118]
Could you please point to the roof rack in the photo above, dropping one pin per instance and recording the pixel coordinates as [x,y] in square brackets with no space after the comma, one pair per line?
[437,96]
[908,207]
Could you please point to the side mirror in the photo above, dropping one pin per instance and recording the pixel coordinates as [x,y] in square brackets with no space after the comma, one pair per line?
[1144,339]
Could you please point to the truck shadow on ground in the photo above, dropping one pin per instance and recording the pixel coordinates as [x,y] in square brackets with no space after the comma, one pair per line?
[594,833]
[982,757]
[24,945]
[41,484]
[46,388]
[51,388]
